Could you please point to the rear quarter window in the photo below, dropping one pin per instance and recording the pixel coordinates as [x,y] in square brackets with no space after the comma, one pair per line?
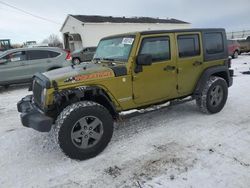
[215,46]
[214,43]
[53,54]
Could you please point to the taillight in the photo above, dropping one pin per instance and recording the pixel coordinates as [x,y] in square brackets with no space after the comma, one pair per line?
[68,56]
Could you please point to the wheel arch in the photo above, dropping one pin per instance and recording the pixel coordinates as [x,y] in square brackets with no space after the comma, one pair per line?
[90,93]
[76,58]
[220,71]
[53,68]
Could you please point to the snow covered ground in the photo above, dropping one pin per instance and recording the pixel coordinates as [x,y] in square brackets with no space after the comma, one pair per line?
[173,147]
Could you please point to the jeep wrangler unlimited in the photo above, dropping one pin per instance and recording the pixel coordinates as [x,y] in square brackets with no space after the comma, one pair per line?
[129,71]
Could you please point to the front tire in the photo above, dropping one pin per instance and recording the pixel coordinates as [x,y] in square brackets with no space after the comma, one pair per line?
[83,130]
[213,97]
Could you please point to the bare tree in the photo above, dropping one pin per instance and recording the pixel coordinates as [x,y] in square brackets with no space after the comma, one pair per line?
[53,41]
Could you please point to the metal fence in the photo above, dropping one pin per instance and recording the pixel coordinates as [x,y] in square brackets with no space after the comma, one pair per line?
[238,34]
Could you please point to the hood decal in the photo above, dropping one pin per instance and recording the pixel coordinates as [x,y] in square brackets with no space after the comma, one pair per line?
[91,76]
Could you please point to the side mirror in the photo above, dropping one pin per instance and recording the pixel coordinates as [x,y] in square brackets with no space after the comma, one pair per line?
[144,59]
[3,61]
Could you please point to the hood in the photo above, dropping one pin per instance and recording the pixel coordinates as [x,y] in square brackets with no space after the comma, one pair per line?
[80,73]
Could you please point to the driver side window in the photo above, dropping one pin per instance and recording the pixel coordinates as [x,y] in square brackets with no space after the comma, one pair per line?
[15,56]
[157,47]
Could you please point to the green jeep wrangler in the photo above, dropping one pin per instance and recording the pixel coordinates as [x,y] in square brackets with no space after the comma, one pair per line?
[79,104]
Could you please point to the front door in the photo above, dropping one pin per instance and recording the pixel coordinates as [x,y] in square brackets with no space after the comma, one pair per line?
[14,67]
[189,61]
[156,82]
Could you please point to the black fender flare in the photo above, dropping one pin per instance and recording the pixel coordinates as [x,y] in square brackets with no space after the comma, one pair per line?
[221,71]
[92,93]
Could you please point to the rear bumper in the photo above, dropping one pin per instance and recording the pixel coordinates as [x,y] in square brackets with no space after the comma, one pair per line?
[231,74]
[31,116]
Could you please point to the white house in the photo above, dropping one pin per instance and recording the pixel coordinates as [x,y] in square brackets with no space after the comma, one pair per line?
[81,30]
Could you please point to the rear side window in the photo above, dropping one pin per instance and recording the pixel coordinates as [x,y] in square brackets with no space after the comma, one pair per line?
[53,54]
[188,45]
[158,47]
[214,43]
[37,54]
[86,50]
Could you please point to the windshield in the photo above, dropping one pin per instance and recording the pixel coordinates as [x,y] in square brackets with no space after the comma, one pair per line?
[117,49]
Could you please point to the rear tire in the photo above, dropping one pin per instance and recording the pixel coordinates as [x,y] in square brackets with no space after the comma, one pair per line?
[83,130]
[76,61]
[235,54]
[213,96]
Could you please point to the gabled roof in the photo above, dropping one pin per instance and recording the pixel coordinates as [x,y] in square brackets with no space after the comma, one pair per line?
[100,19]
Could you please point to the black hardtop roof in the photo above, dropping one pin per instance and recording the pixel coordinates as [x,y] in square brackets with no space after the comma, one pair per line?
[181,30]
[167,31]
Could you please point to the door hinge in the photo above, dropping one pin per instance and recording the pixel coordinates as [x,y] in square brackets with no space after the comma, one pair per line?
[133,96]
[177,87]
[177,71]
[133,78]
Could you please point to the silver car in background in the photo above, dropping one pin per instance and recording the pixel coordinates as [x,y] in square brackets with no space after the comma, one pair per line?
[84,54]
[19,65]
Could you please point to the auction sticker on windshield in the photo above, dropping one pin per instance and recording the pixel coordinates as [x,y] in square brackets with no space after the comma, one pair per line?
[128,41]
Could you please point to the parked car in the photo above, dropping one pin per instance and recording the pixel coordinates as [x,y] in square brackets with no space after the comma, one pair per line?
[233,48]
[19,65]
[84,54]
[245,45]
[80,103]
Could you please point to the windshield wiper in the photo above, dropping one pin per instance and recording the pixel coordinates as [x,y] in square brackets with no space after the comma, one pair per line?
[105,59]
[108,59]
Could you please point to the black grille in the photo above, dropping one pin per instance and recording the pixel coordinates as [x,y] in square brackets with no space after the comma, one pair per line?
[37,91]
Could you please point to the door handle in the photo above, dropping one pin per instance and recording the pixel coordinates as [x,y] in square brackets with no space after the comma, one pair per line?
[169,68]
[197,63]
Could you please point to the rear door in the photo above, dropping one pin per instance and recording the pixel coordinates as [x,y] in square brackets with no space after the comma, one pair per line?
[189,61]
[156,82]
[13,69]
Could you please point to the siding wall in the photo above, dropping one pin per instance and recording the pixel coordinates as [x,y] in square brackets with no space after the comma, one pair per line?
[91,33]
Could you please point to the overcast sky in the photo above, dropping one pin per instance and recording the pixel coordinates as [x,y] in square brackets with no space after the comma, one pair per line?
[233,15]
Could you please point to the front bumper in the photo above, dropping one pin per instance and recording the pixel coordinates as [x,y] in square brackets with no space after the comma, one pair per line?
[31,117]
